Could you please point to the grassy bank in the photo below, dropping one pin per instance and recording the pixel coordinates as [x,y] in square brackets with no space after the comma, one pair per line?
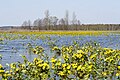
[60,32]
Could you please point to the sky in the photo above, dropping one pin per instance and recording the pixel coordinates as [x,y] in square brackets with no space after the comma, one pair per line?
[14,12]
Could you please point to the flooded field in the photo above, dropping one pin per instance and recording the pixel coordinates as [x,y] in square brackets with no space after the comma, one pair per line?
[16,47]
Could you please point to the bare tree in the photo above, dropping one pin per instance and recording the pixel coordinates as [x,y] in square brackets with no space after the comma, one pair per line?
[74,19]
[67,18]
[44,23]
[46,19]
[26,24]
[38,24]
[29,24]
[35,23]
[62,24]
[78,22]
[53,20]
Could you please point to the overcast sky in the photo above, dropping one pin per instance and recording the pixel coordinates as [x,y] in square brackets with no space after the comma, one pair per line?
[14,12]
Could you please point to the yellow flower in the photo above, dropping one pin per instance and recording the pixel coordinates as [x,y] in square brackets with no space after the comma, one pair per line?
[109,51]
[35,59]
[23,65]
[39,62]
[45,65]
[111,60]
[106,49]
[87,77]
[9,75]
[67,49]
[58,63]
[48,67]
[70,51]
[68,67]
[119,67]
[34,50]
[1,66]
[17,69]
[1,71]
[90,66]
[37,52]
[93,56]
[80,51]
[11,70]
[66,56]
[107,59]
[74,55]
[55,48]
[64,65]
[117,74]
[12,65]
[39,65]
[5,75]
[90,70]
[79,55]
[7,71]
[61,73]
[53,66]
[74,66]
[24,71]
[83,68]
[53,60]
[104,73]
[90,62]
[79,67]
[69,72]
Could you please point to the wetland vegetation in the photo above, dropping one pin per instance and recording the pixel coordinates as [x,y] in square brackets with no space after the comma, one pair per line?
[55,55]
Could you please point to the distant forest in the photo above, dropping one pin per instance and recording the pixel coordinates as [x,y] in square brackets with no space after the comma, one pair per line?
[54,23]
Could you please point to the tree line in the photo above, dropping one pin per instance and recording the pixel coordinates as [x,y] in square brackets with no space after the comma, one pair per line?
[54,23]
